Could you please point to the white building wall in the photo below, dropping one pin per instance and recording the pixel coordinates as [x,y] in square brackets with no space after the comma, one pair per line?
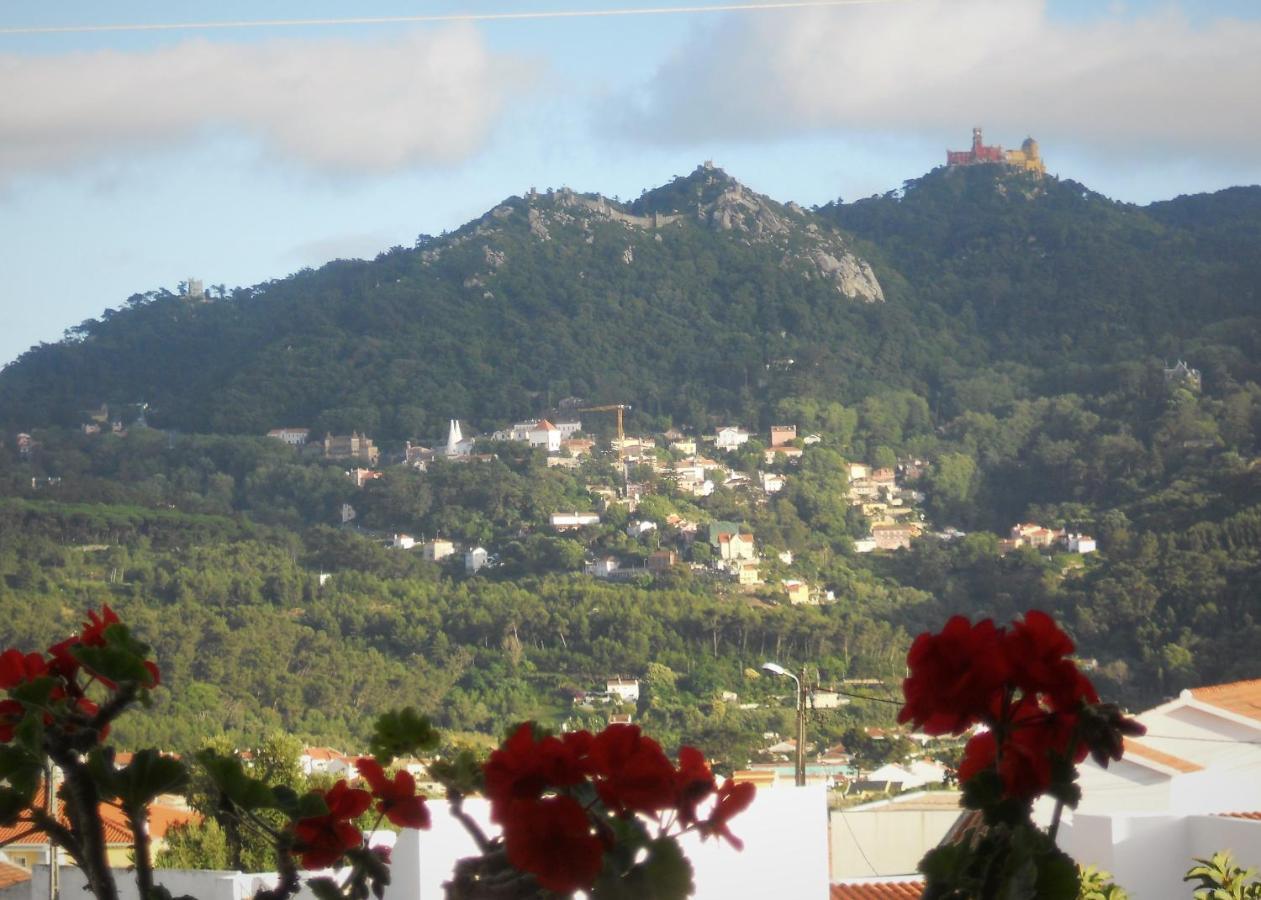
[884,841]
[785,851]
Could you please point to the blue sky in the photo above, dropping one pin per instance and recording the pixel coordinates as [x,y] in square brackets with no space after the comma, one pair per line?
[130,160]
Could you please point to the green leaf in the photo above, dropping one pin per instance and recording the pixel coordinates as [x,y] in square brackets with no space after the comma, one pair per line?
[148,775]
[462,774]
[401,732]
[324,889]
[118,664]
[15,762]
[36,693]
[667,871]
[227,774]
[12,803]
[945,864]
[29,734]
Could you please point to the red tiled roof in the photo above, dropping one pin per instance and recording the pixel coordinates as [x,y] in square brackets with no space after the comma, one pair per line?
[117,831]
[324,753]
[11,875]
[877,890]
[1243,698]
[1254,816]
[1167,760]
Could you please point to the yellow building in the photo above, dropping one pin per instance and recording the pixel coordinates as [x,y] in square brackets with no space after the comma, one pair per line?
[1027,157]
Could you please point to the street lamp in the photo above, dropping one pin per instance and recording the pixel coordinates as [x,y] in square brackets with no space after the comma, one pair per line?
[776,669]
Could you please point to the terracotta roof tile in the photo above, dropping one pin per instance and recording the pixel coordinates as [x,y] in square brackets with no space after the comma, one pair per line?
[1167,760]
[1254,816]
[877,890]
[1243,698]
[11,875]
[161,818]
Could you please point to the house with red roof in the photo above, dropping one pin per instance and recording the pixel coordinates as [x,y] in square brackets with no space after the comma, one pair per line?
[25,847]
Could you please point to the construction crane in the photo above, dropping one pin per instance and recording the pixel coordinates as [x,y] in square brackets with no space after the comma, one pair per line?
[621,435]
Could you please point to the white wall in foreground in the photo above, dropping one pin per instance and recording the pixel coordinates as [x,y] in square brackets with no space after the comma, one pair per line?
[785,834]
[785,855]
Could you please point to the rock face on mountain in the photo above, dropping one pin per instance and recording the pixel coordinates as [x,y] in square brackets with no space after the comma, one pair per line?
[714,201]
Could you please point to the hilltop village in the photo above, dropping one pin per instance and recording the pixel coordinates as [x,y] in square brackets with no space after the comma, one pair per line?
[647,511]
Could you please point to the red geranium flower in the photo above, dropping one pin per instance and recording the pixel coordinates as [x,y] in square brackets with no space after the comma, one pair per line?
[552,840]
[524,767]
[955,676]
[1035,736]
[321,840]
[11,713]
[732,799]
[62,664]
[693,782]
[17,668]
[634,774]
[396,798]
[93,634]
[1037,651]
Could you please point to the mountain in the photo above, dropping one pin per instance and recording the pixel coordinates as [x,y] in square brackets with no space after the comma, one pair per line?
[701,299]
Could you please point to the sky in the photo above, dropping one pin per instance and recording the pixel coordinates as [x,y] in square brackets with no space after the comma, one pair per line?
[134,158]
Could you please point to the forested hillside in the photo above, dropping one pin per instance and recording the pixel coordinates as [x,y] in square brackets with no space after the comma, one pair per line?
[1007,342]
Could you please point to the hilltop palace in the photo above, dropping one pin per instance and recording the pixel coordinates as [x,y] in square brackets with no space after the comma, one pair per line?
[1026,159]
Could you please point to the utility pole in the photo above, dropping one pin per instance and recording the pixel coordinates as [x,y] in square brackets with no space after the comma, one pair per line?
[50,807]
[801,729]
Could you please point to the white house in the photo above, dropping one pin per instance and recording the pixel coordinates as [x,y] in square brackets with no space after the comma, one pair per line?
[324,761]
[438,549]
[736,547]
[403,542]
[772,483]
[602,567]
[563,521]
[625,689]
[294,437]
[1080,543]
[475,559]
[1190,787]
[730,438]
[538,433]
[545,436]
[640,527]
[858,471]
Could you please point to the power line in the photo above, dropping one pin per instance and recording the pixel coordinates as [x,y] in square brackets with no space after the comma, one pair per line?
[437,19]
[857,843]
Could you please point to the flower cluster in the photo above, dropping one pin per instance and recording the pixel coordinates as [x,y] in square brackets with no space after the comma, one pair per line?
[320,841]
[558,798]
[1037,708]
[102,653]
[324,839]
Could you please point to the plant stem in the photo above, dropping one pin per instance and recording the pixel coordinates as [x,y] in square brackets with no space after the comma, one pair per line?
[1055,819]
[457,810]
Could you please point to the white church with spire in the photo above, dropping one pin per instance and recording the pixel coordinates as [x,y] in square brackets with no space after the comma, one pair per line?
[456,447]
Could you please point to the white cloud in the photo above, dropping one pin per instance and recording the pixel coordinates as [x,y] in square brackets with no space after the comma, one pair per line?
[1154,82]
[431,97]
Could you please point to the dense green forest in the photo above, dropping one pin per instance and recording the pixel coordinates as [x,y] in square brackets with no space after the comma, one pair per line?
[1019,351]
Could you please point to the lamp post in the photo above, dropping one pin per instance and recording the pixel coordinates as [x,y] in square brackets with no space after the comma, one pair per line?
[776,669]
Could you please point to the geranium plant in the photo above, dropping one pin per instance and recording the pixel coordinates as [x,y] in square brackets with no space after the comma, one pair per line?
[594,812]
[1034,716]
